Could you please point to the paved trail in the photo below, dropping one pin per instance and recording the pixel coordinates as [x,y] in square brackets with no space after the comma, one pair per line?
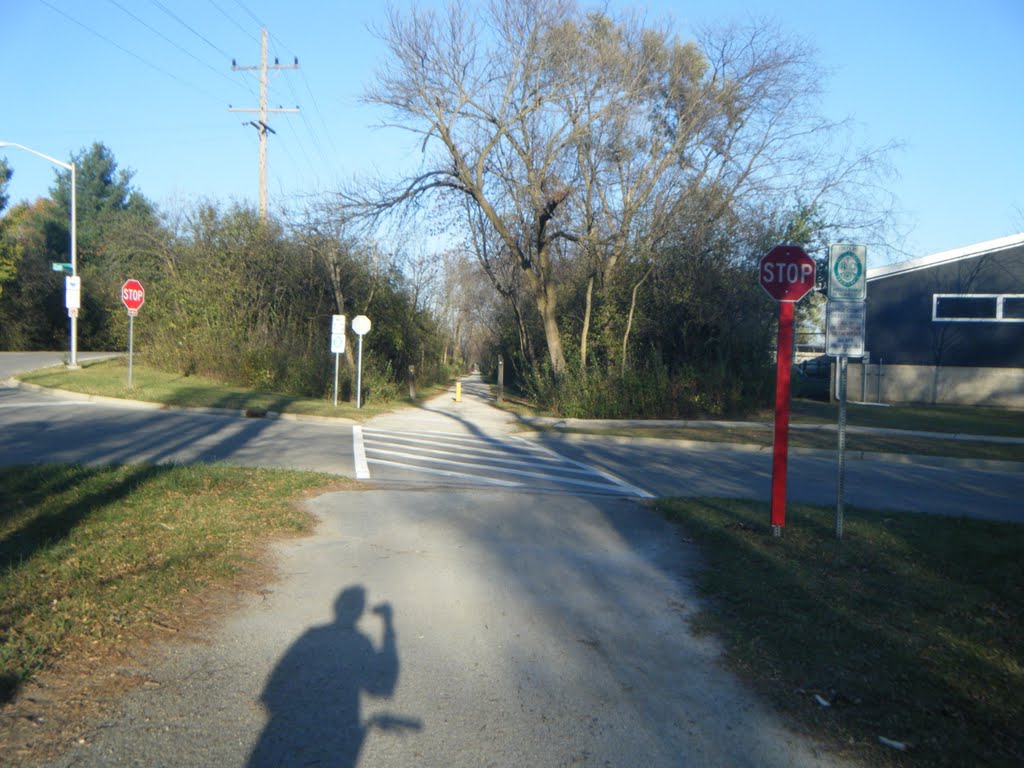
[456,626]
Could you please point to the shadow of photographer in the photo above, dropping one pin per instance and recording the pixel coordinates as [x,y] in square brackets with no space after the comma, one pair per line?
[313,695]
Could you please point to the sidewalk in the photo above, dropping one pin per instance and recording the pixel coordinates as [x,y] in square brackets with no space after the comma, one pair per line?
[472,413]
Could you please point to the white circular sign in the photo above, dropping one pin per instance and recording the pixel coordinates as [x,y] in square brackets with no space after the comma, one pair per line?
[361,324]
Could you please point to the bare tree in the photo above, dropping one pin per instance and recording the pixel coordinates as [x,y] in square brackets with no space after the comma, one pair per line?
[575,135]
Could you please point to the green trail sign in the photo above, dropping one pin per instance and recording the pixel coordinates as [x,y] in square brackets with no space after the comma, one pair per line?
[847,272]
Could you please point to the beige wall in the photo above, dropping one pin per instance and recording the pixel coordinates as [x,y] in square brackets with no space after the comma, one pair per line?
[928,384]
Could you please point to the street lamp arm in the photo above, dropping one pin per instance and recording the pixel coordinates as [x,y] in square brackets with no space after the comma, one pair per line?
[62,164]
[74,239]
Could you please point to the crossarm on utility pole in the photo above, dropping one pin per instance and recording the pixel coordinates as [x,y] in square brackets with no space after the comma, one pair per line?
[261,125]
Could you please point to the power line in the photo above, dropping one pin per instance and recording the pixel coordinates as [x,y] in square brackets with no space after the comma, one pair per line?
[251,14]
[164,37]
[316,107]
[230,18]
[305,120]
[312,134]
[178,19]
[121,48]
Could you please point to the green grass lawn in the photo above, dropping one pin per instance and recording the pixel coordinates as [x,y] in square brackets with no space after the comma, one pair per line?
[92,556]
[764,436]
[109,378]
[955,419]
[913,630]
[998,423]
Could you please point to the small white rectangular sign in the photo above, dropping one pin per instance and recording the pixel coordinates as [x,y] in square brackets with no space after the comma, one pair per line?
[73,293]
[338,343]
[337,324]
[844,328]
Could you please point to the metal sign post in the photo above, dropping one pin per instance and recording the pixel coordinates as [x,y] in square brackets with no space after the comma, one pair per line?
[845,320]
[787,274]
[133,296]
[361,325]
[501,379]
[841,476]
[131,345]
[337,347]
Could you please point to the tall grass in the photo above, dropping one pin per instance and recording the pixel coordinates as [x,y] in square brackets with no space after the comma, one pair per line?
[649,392]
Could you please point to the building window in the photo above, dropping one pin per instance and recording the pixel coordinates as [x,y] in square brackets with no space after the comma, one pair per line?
[978,308]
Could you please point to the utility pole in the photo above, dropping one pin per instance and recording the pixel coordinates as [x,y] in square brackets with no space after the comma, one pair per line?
[261,124]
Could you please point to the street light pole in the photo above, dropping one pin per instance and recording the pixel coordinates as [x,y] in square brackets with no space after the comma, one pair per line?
[74,238]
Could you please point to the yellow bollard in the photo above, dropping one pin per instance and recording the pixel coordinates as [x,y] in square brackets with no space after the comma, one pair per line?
[458,391]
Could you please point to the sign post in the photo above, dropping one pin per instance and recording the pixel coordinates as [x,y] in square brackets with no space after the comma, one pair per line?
[337,347]
[361,325]
[133,296]
[845,318]
[787,274]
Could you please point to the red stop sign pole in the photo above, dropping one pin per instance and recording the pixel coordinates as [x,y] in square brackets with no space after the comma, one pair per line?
[787,274]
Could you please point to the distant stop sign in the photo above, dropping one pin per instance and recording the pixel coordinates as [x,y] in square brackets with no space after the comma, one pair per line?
[787,273]
[133,296]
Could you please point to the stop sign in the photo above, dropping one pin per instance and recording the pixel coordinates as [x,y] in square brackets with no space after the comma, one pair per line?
[787,273]
[133,296]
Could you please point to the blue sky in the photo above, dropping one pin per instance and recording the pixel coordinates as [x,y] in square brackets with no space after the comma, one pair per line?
[152,80]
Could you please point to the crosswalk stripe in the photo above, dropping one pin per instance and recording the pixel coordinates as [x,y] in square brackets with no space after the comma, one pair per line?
[607,475]
[493,457]
[429,438]
[500,470]
[483,459]
[449,473]
[359,454]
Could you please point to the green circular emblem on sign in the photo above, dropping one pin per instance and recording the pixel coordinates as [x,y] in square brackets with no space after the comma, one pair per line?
[847,269]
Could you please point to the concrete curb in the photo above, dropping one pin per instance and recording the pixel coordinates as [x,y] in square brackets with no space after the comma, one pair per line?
[942,462]
[245,413]
[549,421]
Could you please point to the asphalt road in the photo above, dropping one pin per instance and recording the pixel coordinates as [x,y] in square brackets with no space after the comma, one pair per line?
[921,484]
[43,427]
[445,619]
[468,444]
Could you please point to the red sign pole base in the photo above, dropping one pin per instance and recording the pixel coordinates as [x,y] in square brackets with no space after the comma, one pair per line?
[780,450]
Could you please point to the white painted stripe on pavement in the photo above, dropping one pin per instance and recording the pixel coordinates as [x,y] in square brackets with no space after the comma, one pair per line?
[556,479]
[607,475]
[359,453]
[496,449]
[450,473]
[435,438]
[494,457]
